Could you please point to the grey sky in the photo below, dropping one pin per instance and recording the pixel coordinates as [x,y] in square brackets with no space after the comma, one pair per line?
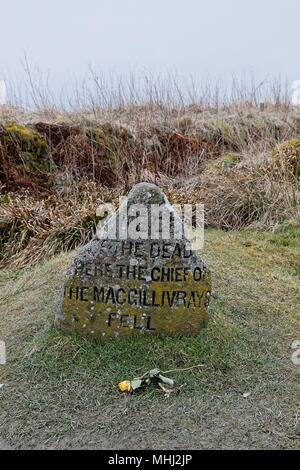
[194,36]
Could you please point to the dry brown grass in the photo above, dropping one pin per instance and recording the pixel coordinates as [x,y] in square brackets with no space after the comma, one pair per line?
[220,156]
[251,197]
[34,229]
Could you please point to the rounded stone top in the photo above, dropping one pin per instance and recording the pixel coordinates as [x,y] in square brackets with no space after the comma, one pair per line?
[146,193]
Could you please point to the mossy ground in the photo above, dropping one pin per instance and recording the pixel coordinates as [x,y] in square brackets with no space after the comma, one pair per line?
[31,144]
[61,391]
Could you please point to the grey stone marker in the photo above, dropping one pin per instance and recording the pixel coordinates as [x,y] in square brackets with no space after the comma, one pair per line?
[119,286]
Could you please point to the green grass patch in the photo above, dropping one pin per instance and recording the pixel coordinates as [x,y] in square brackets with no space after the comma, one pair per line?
[62,391]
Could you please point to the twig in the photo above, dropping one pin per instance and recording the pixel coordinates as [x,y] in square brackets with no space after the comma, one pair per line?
[180,370]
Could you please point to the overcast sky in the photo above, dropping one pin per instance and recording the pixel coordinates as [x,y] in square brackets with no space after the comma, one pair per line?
[199,37]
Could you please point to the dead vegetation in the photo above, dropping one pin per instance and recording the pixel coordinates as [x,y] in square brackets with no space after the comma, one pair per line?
[240,162]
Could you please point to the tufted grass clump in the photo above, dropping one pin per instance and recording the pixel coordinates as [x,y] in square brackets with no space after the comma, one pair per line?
[34,229]
[27,138]
[287,156]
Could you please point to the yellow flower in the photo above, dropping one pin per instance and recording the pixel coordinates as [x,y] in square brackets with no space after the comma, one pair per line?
[125,386]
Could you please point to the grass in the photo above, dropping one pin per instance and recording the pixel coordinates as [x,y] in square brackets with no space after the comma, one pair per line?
[253,193]
[61,391]
[231,146]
